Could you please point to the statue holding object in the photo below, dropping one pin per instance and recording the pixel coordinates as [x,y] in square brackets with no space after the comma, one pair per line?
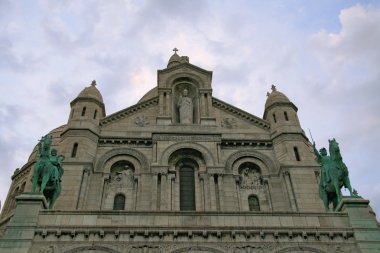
[48,171]
[334,175]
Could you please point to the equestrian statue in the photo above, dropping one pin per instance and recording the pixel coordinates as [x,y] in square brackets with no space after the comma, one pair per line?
[334,175]
[48,171]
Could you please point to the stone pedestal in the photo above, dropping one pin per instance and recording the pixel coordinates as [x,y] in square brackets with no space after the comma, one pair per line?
[19,232]
[363,222]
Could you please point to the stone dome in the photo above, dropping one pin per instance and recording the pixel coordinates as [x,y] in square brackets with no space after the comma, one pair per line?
[276,97]
[174,60]
[91,92]
[149,95]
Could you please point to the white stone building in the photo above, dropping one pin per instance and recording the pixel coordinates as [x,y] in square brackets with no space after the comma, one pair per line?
[182,171]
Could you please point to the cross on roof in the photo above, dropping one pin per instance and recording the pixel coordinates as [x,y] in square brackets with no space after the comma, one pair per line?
[175,50]
[273,87]
[93,83]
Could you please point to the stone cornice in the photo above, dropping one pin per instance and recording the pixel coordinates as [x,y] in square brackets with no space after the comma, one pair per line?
[246,143]
[131,141]
[185,64]
[130,110]
[254,120]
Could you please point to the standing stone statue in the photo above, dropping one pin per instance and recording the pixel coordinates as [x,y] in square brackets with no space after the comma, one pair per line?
[185,108]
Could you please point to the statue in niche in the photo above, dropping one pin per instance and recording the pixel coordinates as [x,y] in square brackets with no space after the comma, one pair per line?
[185,108]
[123,177]
[251,178]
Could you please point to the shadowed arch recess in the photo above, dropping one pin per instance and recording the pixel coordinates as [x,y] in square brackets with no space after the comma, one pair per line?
[300,249]
[94,249]
[123,151]
[207,155]
[197,249]
[241,154]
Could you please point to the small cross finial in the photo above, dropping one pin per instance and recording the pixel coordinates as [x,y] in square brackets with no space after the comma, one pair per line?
[274,87]
[175,50]
[93,83]
[268,94]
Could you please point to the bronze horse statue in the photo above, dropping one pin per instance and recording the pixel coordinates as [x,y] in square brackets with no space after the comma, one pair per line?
[47,171]
[333,177]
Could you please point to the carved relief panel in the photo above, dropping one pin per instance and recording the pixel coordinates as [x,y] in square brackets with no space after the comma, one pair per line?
[252,191]
[120,183]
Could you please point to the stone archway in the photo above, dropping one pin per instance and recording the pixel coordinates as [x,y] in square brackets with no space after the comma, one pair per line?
[122,151]
[92,249]
[206,154]
[197,249]
[300,249]
[269,163]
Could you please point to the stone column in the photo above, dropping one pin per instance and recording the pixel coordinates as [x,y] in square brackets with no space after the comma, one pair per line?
[221,193]
[154,192]
[19,233]
[170,191]
[161,103]
[266,185]
[290,191]
[168,103]
[208,104]
[135,192]
[237,183]
[164,187]
[218,152]
[212,193]
[198,192]
[363,221]
[205,192]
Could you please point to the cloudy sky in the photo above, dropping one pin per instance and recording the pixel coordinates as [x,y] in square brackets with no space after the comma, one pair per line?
[324,55]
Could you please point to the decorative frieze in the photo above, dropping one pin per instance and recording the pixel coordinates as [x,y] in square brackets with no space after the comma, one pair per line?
[246,143]
[123,141]
[192,137]
[191,247]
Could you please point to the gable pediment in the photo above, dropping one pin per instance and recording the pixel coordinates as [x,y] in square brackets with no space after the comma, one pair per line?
[239,114]
[128,112]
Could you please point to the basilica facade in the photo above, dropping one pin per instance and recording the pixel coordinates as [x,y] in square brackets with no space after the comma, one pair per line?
[182,171]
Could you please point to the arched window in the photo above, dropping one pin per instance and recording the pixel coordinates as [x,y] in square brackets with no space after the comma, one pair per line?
[84,111]
[296,154]
[274,117]
[119,202]
[286,116]
[253,203]
[74,151]
[95,113]
[187,188]
[22,189]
